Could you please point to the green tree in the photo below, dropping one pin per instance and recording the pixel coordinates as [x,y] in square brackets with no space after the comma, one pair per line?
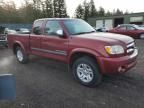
[49,8]
[59,8]
[10,13]
[108,13]
[79,13]
[126,12]
[27,10]
[101,11]
[37,8]
[86,10]
[118,12]
[93,11]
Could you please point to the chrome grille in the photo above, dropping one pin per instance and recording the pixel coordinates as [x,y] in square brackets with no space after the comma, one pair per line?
[2,37]
[130,48]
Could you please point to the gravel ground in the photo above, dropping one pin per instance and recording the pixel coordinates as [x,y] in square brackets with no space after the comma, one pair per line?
[43,83]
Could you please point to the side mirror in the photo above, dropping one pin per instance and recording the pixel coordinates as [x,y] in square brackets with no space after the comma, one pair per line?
[37,30]
[60,33]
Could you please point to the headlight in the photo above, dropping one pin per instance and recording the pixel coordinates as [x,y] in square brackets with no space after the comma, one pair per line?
[116,49]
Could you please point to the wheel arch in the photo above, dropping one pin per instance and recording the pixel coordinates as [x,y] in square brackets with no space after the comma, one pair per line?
[17,44]
[140,34]
[80,53]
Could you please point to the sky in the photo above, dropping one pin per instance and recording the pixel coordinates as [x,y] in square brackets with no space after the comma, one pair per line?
[129,5]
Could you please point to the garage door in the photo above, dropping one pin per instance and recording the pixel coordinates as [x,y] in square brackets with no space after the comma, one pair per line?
[109,23]
[99,23]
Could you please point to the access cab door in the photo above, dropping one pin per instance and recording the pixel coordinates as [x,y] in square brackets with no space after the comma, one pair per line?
[53,45]
[35,37]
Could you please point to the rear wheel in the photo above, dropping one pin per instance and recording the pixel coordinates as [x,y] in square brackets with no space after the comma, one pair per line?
[86,71]
[142,36]
[21,56]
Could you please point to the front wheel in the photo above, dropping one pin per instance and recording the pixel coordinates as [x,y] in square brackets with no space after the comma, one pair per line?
[21,56]
[86,71]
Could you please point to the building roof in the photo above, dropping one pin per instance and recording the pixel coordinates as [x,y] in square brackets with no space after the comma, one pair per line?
[117,16]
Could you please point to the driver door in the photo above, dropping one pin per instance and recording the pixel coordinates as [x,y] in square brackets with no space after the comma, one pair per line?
[52,45]
[132,31]
[121,30]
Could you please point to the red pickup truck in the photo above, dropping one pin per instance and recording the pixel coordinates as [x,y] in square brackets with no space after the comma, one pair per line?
[89,54]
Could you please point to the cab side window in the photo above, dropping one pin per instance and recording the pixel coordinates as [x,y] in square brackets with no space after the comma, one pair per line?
[37,27]
[52,27]
[130,28]
[122,28]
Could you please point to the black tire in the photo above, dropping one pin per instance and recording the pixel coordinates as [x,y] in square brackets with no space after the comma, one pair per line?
[6,45]
[97,76]
[24,59]
[141,36]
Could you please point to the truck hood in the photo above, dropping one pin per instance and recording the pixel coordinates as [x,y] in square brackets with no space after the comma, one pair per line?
[108,37]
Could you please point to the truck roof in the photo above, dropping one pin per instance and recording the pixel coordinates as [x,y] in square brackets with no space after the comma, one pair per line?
[55,19]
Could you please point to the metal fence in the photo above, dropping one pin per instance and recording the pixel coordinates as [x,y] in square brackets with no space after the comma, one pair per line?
[16,26]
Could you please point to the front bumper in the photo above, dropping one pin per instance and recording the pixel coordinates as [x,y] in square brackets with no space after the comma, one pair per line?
[117,65]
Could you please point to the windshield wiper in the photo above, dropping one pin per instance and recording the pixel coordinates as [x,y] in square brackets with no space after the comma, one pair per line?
[90,32]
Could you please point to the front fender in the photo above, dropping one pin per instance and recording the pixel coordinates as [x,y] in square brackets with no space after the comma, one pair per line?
[83,50]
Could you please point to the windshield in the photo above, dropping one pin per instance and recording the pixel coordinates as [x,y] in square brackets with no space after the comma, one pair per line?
[78,26]
[139,27]
[136,26]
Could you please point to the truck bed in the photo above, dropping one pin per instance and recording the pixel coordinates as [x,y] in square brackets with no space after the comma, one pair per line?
[22,39]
